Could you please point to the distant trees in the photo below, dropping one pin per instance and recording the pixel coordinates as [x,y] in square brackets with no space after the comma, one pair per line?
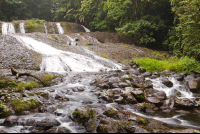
[164,24]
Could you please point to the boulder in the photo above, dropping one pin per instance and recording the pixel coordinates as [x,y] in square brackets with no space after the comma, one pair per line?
[141,70]
[147,74]
[83,114]
[155,101]
[194,85]
[183,103]
[47,122]
[10,121]
[161,95]
[167,82]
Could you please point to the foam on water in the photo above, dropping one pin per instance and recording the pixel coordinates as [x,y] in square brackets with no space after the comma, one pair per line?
[55,60]
[8,28]
[60,29]
[21,27]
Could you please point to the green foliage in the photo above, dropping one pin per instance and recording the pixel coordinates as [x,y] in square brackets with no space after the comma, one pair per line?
[26,86]
[143,122]
[187,28]
[47,78]
[183,64]
[105,56]
[7,84]
[19,105]
[33,24]
[146,30]
[4,112]
[30,26]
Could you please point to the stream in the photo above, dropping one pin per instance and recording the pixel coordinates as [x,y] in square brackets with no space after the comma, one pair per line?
[76,89]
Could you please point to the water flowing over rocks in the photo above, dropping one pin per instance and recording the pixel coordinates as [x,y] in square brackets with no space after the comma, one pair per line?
[116,99]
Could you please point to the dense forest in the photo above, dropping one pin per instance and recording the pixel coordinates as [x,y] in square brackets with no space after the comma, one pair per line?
[163,24]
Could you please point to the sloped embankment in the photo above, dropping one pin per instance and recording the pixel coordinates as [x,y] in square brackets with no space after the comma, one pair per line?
[14,54]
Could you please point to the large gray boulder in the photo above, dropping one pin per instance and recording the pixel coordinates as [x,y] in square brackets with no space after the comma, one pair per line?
[194,85]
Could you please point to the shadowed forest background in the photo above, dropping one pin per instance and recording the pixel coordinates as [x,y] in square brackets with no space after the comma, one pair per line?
[172,25]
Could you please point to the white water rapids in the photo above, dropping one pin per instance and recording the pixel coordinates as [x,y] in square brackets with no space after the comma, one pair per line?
[21,28]
[8,28]
[59,61]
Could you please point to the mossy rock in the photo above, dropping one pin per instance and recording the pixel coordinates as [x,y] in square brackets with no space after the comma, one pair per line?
[4,111]
[82,114]
[91,126]
[20,105]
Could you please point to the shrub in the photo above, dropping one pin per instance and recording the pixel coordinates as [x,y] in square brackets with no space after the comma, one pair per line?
[184,64]
[105,56]
[47,79]
[26,86]
[19,105]
[30,26]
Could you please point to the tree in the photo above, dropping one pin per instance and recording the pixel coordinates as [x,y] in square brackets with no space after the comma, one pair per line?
[188,26]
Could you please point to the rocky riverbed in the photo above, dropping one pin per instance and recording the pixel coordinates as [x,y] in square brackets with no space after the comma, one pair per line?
[126,100]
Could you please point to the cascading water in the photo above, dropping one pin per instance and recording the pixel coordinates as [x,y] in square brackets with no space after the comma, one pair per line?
[8,28]
[52,28]
[60,29]
[73,42]
[55,60]
[21,28]
[86,29]
[45,27]
[170,91]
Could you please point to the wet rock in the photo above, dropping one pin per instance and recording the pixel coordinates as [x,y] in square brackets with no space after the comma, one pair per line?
[141,70]
[3,131]
[83,114]
[139,95]
[129,89]
[155,101]
[103,86]
[167,82]
[141,130]
[114,85]
[183,103]
[59,96]
[4,111]
[190,77]
[147,74]
[10,121]
[123,85]
[87,102]
[50,109]
[63,130]
[91,126]
[169,103]
[107,126]
[135,72]
[125,68]
[149,92]
[161,95]
[30,122]
[183,131]
[47,122]
[120,100]
[52,130]
[179,77]
[167,72]
[194,85]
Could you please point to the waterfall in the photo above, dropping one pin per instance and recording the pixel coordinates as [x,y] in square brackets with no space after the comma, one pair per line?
[60,29]
[53,28]
[59,61]
[86,29]
[73,42]
[8,28]
[21,27]
[45,27]
[177,88]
